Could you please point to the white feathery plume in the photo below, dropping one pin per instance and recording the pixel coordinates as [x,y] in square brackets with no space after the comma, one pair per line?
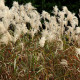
[6,38]
[42,41]
[51,36]
[32,32]
[17,32]
[65,9]
[77,52]
[2,4]
[22,8]
[24,28]
[29,6]
[45,15]
[44,33]
[55,10]
[2,28]
[15,4]
[60,44]
[77,30]
[6,23]
[64,62]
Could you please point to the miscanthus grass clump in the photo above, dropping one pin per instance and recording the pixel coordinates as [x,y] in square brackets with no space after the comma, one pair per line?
[36,46]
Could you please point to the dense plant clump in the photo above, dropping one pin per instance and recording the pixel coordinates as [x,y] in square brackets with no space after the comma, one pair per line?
[36,46]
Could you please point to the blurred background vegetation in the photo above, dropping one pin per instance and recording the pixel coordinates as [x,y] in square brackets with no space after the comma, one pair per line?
[47,5]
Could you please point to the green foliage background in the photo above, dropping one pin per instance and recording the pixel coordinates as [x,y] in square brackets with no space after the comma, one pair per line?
[73,5]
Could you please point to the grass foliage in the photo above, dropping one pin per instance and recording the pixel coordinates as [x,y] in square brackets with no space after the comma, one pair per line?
[26,60]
